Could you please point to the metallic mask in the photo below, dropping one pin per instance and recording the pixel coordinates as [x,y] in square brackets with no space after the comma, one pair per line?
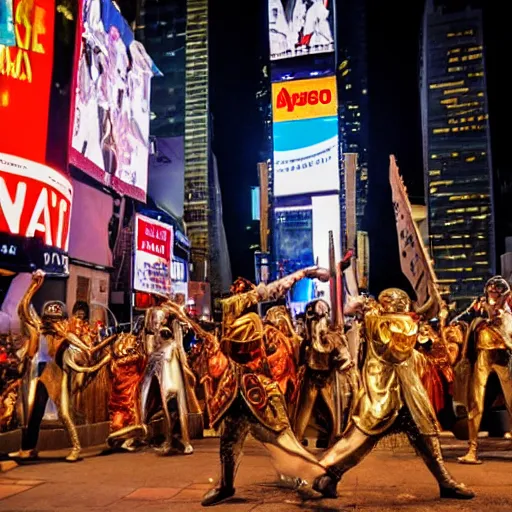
[394,300]
[317,317]
[496,291]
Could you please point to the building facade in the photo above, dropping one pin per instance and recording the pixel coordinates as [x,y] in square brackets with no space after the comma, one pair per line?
[456,150]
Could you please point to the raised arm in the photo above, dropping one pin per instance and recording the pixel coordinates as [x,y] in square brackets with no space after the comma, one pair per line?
[235,306]
[30,321]
[467,315]
[60,329]
[180,314]
[279,288]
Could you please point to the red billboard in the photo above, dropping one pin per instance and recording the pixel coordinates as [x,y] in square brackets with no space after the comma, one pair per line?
[25,81]
[35,213]
[153,256]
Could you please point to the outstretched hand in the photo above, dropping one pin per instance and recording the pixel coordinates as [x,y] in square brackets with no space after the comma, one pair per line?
[322,274]
[38,275]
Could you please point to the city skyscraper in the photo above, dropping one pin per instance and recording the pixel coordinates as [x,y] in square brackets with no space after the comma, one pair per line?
[197,140]
[456,150]
[161,27]
[353,92]
[175,32]
[203,205]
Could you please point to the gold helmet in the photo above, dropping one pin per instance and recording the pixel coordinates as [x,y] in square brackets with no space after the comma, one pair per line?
[394,300]
[54,310]
[244,340]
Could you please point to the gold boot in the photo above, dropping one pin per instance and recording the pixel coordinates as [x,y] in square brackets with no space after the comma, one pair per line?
[24,454]
[429,448]
[472,456]
[74,455]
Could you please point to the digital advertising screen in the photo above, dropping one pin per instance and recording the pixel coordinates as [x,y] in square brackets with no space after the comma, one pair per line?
[35,216]
[300,27]
[305,133]
[293,238]
[6,23]
[25,78]
[153,256]
[110,133]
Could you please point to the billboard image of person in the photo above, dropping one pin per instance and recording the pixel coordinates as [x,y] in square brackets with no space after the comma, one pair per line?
[111,123]
[300,27]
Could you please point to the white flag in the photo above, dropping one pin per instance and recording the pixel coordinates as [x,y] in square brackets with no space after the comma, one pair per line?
[412,255]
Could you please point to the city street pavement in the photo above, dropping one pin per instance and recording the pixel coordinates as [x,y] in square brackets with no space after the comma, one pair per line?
[387,480]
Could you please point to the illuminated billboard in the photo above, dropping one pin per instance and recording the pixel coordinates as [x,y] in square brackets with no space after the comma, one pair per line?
[35,214]
[25,80]
[111,113]
[6,24]
[300,27]
[301,239]
[153,256]
[305,132]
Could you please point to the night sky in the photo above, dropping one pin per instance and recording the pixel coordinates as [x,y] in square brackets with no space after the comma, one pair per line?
[237,37]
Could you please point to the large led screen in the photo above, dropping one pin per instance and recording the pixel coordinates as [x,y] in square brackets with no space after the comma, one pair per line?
[305,129]
[25,80]
[300,27]
[6,23]
[293,238]
[111,118]
[35,216]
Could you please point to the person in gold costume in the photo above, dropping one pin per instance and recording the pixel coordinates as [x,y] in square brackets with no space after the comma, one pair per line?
[67,350]
[487,348]
[282,348]
[127,361]
[392,398]
[324,354]
[127,365]
[440,355]
[241,393]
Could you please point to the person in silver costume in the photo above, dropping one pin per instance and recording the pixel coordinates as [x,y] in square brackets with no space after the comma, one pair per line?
[167,363]
[326,358]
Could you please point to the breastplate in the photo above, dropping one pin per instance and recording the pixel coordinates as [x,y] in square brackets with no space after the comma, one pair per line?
[393,336]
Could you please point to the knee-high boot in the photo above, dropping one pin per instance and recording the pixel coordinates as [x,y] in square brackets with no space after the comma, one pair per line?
[225,489]
[429,449]
[235,428]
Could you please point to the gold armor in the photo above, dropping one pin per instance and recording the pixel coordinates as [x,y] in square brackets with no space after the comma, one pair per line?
[437,357]
[327,361]
[487,347]
[392,397]
[390,383]
[126,368]
[68,351]
[242,393]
